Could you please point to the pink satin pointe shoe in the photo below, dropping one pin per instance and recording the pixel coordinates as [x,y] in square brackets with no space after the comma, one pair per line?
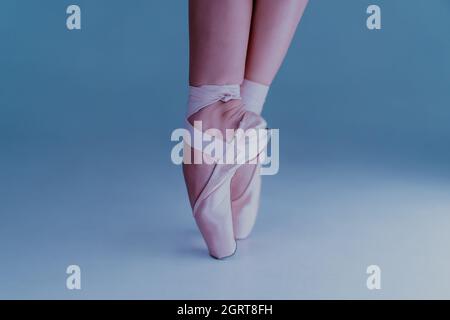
[245,205]
[212,208]
[246,184]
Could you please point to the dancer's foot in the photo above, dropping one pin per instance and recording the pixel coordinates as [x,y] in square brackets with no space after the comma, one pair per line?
[209,184]
[246,183]
[219,115]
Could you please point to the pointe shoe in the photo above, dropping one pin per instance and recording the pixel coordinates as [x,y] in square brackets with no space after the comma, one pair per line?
[246,184]
[245,206]
[212,213]
[212,209]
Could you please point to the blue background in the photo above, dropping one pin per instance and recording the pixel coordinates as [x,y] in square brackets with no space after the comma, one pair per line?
[86,176]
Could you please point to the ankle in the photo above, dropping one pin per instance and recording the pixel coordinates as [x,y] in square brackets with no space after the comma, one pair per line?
[220,115]
[254,95]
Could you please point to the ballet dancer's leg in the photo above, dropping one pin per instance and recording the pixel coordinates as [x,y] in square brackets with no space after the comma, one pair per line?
[219,34]
[273,27]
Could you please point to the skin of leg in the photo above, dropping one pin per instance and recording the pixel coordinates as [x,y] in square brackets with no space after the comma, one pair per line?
[219,35]
[273,26]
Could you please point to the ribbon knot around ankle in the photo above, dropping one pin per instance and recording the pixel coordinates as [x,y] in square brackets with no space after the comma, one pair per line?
[230,96]
[200,97]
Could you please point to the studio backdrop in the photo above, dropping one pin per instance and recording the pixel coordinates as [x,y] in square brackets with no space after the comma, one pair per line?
[88,185]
